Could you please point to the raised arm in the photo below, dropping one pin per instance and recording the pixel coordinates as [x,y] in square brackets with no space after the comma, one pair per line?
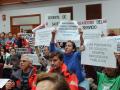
[53,36]
[82,47]
[52,43]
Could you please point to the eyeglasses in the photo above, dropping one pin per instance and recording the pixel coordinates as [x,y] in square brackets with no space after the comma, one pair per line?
[23,61]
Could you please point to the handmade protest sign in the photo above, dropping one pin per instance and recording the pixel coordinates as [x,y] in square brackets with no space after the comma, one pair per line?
[22,51]
[43,37]
[53,20]
[117,39]
[67,30]
[93,28]
[100,52]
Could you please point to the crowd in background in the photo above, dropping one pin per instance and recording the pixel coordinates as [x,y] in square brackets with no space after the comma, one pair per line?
[57,58]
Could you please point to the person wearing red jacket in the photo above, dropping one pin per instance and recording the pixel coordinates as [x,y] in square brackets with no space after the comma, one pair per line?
[57,66]
[25,77]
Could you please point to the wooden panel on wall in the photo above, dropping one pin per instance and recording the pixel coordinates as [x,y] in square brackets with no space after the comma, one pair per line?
[66,10]
[93,11]
[16,27]
[9,1]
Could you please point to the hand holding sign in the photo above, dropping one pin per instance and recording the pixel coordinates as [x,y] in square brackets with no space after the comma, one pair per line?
[54,32]
[80,31]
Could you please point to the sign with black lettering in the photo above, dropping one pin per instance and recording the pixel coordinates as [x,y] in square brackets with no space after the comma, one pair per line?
[22,51]
[67,30]
[53,20]
[117,39]
[43,37]
[93,28]
[100,52]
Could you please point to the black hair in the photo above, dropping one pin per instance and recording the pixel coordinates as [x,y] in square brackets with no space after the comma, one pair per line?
[73,44]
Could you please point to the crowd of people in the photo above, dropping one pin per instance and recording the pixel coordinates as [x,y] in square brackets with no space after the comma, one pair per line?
[60,67]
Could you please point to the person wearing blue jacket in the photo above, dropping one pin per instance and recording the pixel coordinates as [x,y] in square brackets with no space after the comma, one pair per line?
[72,57]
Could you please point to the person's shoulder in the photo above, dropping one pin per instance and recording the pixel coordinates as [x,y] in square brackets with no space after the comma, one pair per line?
[77,53]
[17,74]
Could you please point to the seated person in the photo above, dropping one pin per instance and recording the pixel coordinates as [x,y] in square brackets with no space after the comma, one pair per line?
[24,78]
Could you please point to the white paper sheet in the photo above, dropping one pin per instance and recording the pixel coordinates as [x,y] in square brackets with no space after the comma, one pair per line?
[3,82]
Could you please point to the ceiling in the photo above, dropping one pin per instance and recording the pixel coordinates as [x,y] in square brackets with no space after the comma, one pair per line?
[12,2]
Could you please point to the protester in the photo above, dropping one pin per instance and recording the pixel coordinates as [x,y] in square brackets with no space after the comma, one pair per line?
[24,78]
[109,79]
[72,58]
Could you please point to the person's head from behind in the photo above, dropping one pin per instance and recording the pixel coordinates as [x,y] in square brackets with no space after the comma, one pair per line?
[25,62]
[70,47]
[56,59]
[51,81]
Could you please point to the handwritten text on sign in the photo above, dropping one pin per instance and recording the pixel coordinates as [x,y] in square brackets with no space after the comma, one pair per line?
[42,37]
[67,30]
[53,20]
[100,52]
[97,28]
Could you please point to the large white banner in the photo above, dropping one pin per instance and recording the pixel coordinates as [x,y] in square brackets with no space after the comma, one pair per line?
[53,20]
[93,28]
[100,52]
[67,30]
[43,37]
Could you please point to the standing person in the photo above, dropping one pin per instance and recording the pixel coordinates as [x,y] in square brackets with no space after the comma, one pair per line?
[24,78]
[72,58]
